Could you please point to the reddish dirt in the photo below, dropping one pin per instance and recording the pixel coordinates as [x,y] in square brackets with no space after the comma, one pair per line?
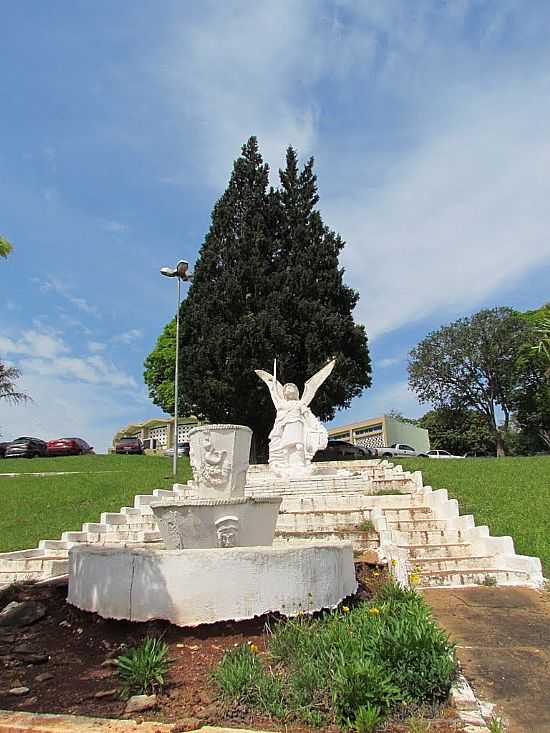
[77,647]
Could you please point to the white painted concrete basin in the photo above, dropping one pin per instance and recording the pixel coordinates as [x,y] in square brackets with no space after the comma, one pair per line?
[192,587]
[207,523]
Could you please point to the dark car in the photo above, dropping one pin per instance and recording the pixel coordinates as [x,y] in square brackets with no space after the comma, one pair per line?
[3,447]
[26,448]
[68,447]
[128,445]
[341,450]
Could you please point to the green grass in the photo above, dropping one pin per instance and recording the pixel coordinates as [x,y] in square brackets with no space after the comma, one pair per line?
[510,495]
[36,507]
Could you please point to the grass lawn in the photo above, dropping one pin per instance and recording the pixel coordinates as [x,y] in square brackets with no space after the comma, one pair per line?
[510,495]
[42,507]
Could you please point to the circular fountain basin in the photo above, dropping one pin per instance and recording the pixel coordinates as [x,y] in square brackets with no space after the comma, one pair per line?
[193,587]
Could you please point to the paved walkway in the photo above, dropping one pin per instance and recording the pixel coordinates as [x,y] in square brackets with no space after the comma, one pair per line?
[503,637]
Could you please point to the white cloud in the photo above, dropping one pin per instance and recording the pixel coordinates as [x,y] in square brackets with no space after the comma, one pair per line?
[96,346]
[54,285]
[388,362]
[128,337]
[240,69]
[115,227]
[463,215]
[35,344]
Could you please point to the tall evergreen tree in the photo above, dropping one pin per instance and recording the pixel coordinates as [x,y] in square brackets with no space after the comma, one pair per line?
[267,284]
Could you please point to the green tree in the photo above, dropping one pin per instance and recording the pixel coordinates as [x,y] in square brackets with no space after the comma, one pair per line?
[5,247]
[472,363]
[267,284]
[459,431]
[8,391]
[532,397]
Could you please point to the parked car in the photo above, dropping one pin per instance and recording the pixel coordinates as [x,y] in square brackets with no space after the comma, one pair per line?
[341,450]
[441,454]
[183,450]
[3,447]
[26,448]
[68,447]
[127,444]
[399,449]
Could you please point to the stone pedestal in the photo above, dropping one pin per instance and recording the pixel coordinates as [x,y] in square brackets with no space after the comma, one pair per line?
[207,523]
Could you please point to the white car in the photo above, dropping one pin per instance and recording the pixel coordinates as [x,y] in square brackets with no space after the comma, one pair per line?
[183,450]
[441,454]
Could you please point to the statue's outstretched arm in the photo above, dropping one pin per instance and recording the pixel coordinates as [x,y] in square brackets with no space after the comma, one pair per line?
[276,391]
[314,382]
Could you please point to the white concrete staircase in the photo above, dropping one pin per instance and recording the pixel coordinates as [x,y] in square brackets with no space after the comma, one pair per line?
[417,529]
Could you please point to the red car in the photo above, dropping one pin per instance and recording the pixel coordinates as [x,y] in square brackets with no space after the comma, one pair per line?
[68,447]
[128,444]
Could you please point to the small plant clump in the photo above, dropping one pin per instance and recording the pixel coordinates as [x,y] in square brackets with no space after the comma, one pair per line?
[366,526]
[353,666]
[418,724]
[496,725]
[143,668]
[489,580]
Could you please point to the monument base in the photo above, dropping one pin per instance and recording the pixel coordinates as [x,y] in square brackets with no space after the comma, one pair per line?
[193,587]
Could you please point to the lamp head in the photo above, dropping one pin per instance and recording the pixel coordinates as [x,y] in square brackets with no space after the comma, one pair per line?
[168,271]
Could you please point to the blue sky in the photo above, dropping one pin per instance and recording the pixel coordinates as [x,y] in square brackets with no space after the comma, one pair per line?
[120,122]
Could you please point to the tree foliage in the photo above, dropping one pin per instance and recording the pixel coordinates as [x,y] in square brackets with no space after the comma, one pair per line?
[532,397]
[459,431]
[267,284]
[472,363]
[8,377]
[5,247]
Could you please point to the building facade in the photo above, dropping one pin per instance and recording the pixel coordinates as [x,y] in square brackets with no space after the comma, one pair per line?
[382,431]
[157,434]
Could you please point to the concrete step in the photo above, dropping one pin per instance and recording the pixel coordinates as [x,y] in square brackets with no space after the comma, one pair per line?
[418,525]
[474,576]
[360,540]
[449,549]
[409,514]
[322,520]
[428,537]
[458,562]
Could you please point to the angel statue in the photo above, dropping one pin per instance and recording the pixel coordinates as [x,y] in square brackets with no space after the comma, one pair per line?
[297,434]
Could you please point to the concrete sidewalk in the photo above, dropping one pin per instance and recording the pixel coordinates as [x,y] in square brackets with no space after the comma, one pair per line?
[503,638]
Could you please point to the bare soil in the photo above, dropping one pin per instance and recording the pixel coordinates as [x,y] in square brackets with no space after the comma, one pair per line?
[78,650]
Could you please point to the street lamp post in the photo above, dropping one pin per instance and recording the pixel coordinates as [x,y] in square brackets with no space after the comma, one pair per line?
[180,273]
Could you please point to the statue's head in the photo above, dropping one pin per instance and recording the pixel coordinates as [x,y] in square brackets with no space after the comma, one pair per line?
[290,391]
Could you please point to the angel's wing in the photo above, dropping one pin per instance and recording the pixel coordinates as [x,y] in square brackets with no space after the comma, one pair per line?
[277,393]
[314,382]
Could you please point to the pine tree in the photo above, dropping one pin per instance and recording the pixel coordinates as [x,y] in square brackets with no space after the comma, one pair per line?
[267,284]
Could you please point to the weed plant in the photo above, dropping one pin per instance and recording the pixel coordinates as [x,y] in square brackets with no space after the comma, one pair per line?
[143,669]
[347,664]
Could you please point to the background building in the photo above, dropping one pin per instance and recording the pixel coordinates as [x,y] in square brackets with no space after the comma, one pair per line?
[381,431]
[158,433]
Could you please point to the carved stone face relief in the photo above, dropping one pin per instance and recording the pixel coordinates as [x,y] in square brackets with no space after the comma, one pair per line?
[227,530]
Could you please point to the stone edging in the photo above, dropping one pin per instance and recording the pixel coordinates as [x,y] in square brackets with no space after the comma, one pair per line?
[474,713]
[21,722]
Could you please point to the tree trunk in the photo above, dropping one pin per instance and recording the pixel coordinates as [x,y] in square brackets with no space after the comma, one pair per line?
[501,451]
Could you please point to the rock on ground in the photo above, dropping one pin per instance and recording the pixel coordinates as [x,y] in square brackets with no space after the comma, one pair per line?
[22,613]
[138,703]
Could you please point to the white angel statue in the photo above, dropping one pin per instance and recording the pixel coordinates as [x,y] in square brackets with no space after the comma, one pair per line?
[297,434]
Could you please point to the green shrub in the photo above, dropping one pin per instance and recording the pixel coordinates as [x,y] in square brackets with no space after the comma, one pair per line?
[382,654]
[367,719]
[417,724]
[143,669]
[241,677]
[366,526]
